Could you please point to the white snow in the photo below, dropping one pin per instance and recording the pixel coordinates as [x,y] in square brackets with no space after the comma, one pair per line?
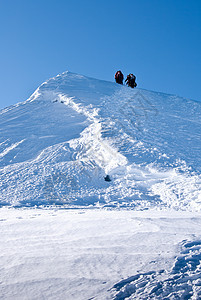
[85,254]
[8,149]
[57,147]
[135,237]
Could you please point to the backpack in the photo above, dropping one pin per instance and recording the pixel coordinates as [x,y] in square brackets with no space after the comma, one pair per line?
[132,77]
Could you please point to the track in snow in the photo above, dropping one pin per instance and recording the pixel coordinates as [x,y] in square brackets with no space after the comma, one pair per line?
[57,147]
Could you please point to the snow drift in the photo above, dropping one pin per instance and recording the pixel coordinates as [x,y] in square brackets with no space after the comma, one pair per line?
[57,147]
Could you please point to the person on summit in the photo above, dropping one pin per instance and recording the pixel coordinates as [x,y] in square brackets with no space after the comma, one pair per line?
[130,80]
[119,77]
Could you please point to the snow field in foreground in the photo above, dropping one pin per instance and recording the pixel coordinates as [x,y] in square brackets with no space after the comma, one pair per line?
[98,254]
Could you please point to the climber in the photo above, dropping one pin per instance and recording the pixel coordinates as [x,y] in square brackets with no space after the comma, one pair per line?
[119,77]
[130,80]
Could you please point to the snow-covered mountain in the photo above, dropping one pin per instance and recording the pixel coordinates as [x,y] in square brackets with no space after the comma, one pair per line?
[56,150]
[58,146]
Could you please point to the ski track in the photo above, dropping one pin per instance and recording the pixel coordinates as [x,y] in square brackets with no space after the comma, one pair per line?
[98,128]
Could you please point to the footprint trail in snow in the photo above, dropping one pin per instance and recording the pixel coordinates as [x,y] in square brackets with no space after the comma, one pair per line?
[57,147]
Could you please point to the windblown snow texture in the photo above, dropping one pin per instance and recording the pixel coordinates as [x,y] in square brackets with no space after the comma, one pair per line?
[182,282]
[59,146]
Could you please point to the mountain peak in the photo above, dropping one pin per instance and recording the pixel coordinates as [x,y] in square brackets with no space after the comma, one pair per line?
[73,132]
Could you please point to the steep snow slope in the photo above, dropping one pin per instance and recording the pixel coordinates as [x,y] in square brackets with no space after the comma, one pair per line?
[57,147]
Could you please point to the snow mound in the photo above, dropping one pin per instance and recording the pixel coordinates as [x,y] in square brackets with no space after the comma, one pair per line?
[57,147]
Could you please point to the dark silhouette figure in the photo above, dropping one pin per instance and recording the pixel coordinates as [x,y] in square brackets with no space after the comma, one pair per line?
[130,80]
[119,77]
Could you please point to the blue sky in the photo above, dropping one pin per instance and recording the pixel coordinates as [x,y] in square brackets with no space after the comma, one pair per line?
[157,40]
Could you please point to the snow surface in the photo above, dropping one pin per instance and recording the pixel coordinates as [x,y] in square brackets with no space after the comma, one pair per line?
[57,147]
[99,254]
[135,237]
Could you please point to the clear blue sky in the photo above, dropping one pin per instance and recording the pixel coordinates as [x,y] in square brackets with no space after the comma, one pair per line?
[157,40]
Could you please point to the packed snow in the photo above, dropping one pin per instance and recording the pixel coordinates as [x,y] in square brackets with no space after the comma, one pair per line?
[67,232]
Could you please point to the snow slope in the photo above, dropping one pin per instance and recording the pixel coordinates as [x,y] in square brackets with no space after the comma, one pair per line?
[55,150]
[57,147]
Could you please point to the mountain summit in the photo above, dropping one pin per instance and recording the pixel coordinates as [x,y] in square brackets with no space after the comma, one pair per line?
[58,147]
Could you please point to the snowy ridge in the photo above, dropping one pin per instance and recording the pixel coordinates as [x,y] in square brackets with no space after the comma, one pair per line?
[57,147]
